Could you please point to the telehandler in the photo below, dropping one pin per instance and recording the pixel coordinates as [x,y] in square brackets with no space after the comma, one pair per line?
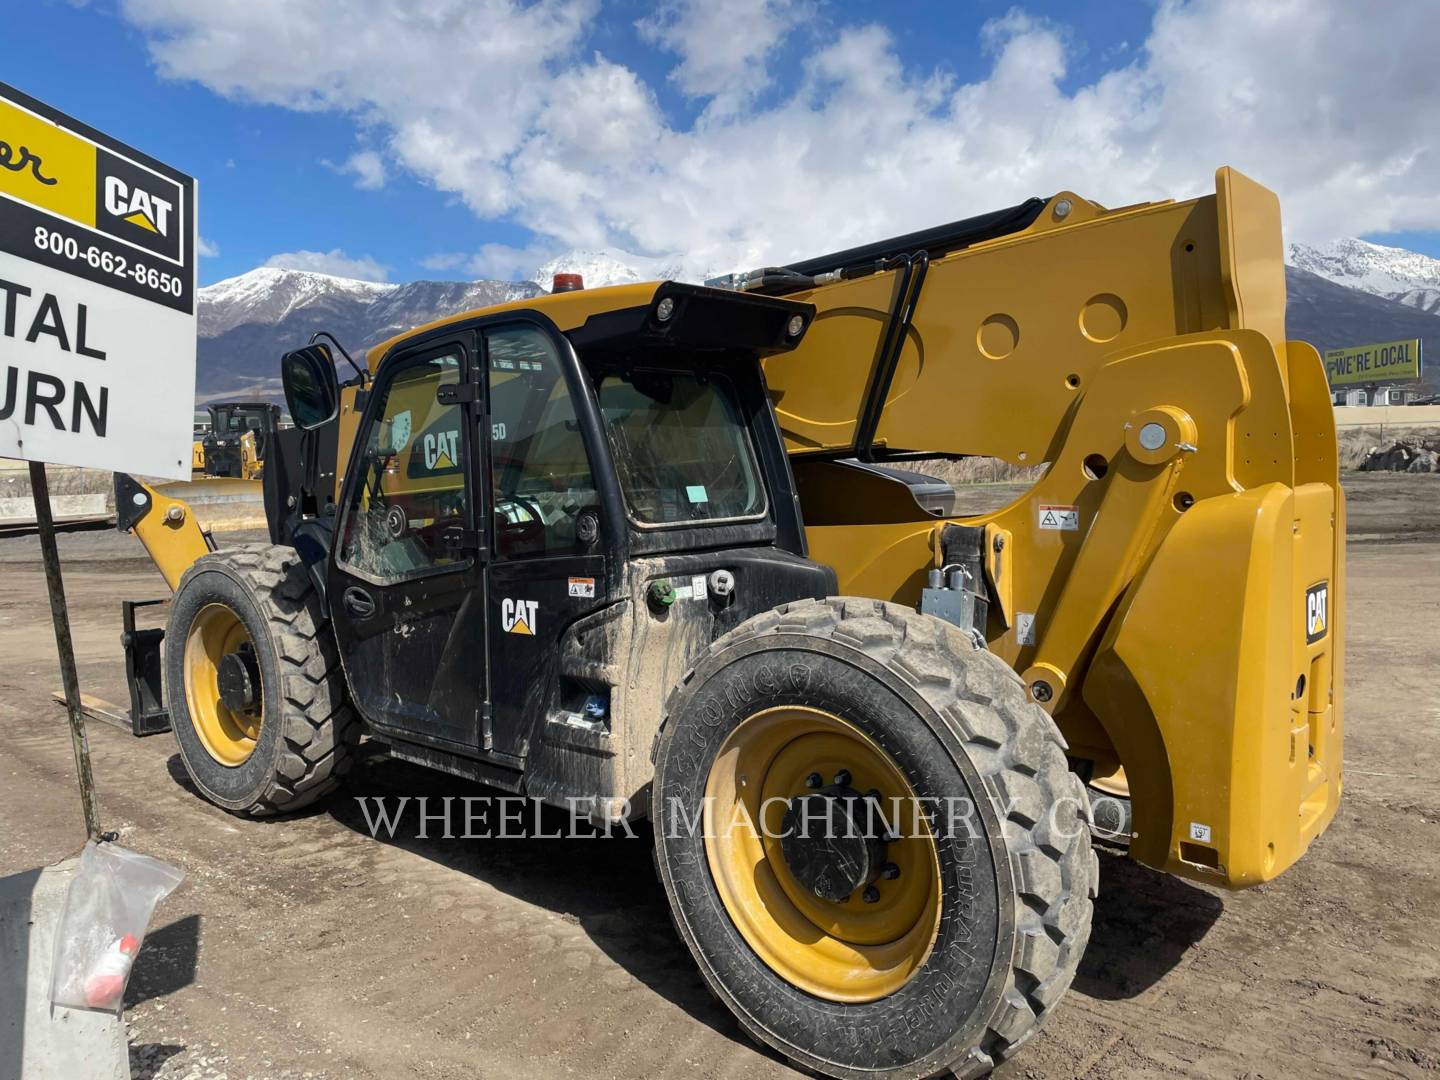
[636,547]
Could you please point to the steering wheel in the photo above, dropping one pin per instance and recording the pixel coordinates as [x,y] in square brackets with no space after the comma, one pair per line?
[519,537]
[530,507]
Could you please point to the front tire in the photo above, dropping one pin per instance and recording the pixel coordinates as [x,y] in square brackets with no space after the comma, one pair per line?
[257,697]
[877,982]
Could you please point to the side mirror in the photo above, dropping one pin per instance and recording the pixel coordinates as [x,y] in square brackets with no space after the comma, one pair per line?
[312,391]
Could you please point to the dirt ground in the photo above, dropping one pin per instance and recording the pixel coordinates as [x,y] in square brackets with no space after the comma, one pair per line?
[305,948]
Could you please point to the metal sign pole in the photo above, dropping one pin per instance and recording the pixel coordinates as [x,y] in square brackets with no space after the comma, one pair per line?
[60,614]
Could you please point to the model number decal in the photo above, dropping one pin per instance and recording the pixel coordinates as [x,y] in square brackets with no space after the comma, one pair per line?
[1025,628]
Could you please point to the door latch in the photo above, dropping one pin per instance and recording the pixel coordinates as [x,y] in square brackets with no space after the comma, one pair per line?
[457,393]
[458,539]
[358,603]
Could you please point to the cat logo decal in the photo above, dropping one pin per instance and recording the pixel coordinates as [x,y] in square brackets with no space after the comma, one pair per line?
[518,616]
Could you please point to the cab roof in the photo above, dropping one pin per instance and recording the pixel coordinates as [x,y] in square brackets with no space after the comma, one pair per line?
[567,310]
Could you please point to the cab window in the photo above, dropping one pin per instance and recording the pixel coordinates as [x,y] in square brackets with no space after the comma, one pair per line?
[540,474]
[410,496]
[681,449]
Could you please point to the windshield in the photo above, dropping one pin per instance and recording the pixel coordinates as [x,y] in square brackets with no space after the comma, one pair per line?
[682,453]
[232,419]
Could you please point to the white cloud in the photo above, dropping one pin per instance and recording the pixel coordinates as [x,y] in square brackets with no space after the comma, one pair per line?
[1326,101]
[334,262]
[493,261]
[366,166]
[457,82]
[445,261]
[206,249]
[723,45]
[503,262]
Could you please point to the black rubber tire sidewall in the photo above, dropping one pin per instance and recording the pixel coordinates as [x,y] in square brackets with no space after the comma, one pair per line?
[241,786]
[914,1031]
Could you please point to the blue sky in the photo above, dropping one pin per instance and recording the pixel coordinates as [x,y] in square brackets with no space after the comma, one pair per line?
[263,185]
[271,161]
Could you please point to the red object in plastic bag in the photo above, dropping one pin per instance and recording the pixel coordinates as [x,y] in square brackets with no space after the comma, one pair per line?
[107,911]
[106,983]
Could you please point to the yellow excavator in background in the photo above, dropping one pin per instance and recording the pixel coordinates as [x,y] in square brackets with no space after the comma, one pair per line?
[638,549]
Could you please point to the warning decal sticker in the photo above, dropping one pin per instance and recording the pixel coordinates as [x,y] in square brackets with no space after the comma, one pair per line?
[1059,518]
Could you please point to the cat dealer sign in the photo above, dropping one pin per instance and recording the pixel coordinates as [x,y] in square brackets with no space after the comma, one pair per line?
[97,297]
[1387,361]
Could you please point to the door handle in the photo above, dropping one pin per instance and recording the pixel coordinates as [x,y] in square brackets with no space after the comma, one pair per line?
[358,602]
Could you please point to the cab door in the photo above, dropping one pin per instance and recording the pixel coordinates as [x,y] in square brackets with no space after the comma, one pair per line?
[548,563]
[407,587]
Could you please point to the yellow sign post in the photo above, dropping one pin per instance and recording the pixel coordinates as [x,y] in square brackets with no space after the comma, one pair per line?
[1388,361]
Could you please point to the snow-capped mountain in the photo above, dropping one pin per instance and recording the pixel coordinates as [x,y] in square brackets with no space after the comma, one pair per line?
[1341,293]
[605,266]
[1426,300]
[268,294]
[1407,277]
[1350,291]
[247,322]
[611,266]
[1329,315]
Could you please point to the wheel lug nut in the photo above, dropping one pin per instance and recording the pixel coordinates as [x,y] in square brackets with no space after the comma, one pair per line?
[842,778]
[871,895]
[814,780]
[890,871]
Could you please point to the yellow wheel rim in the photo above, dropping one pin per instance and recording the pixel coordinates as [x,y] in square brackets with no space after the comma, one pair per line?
[228,735]
[852,951]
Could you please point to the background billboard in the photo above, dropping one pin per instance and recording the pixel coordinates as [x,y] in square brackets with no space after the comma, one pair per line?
[1387,361]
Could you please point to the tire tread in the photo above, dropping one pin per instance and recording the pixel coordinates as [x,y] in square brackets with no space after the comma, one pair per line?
[320,728]
[1020,754]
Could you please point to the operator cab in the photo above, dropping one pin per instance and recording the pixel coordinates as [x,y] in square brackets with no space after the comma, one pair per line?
[545,517]
[230,421]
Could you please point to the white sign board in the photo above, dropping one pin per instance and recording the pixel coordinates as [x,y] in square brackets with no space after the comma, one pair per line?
[97,298]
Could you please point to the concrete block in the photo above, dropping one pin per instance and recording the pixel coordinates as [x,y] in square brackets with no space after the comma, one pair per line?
[36,1041]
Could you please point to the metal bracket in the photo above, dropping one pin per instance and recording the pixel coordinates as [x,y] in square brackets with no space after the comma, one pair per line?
[144,675]
[957,590]
[460,539]
[457,393]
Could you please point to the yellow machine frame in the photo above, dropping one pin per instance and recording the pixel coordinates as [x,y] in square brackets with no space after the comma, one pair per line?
[1167,619]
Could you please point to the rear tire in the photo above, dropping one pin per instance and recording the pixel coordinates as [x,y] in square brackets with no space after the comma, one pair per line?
[1014,881]
[306,731]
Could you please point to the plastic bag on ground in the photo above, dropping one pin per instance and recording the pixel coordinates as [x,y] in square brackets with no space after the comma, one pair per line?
[107,911]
